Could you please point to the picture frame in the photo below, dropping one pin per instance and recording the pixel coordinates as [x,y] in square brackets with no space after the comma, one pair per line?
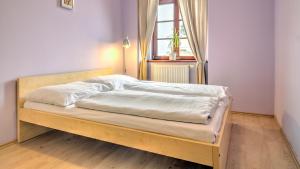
[68,4]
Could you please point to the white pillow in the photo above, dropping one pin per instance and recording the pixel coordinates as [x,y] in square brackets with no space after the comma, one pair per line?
[115,81]
[66,94]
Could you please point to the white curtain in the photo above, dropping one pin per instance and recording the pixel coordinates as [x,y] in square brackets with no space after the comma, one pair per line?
[195,14]
[147,17]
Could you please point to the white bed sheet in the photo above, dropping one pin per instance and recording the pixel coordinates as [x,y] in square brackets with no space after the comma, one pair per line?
[199,132]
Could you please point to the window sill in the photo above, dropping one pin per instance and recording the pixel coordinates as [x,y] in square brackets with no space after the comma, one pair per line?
[172,61]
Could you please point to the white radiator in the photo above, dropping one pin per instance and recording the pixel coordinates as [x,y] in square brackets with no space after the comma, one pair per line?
[170,73]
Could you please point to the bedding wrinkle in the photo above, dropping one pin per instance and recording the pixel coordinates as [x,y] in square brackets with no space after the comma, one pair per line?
[66,94]
[154,105]
[116,81]
[180,89]
[129,83]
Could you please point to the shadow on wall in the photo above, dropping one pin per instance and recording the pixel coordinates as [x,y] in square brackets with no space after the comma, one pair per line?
[58,3]
[291,129]
[8,111]
[206,72]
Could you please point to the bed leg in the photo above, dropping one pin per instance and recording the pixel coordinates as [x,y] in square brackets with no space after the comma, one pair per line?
[216,159]
[220,152]
[28,131]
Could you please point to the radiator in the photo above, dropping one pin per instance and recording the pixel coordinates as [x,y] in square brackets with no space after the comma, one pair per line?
[170,73]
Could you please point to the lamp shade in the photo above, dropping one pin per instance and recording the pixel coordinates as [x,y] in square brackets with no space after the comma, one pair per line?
[126,42]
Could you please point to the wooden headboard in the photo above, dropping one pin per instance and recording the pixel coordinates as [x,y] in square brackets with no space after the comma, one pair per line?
[28,84]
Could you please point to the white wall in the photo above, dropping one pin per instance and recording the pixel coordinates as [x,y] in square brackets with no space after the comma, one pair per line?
[287,68]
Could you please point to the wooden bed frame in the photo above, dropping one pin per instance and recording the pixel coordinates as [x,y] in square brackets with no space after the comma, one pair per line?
[32,123]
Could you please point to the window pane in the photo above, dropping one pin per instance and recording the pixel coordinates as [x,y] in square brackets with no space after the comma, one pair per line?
[182,32]
[185,49]
[163,47]
[165,12]
[165,29]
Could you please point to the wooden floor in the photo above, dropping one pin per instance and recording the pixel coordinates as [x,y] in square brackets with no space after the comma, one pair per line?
[257,143]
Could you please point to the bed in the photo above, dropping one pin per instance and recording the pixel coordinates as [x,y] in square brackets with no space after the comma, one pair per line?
[205,148]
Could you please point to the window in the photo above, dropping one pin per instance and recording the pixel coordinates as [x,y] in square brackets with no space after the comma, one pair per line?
[169,21]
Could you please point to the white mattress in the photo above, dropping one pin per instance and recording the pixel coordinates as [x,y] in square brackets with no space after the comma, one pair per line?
[198,132]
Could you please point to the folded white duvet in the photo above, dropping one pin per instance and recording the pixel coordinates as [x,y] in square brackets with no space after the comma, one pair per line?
[154,105]
[179,89]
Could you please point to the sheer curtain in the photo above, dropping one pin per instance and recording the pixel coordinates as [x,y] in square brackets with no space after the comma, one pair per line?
[147,17]
[194,15]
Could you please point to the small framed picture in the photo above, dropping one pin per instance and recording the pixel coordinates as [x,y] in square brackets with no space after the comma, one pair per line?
[69,4]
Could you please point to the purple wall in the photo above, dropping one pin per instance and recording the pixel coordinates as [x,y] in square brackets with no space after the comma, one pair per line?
[38,37]
[287,79]
[130,29]
[241,52]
